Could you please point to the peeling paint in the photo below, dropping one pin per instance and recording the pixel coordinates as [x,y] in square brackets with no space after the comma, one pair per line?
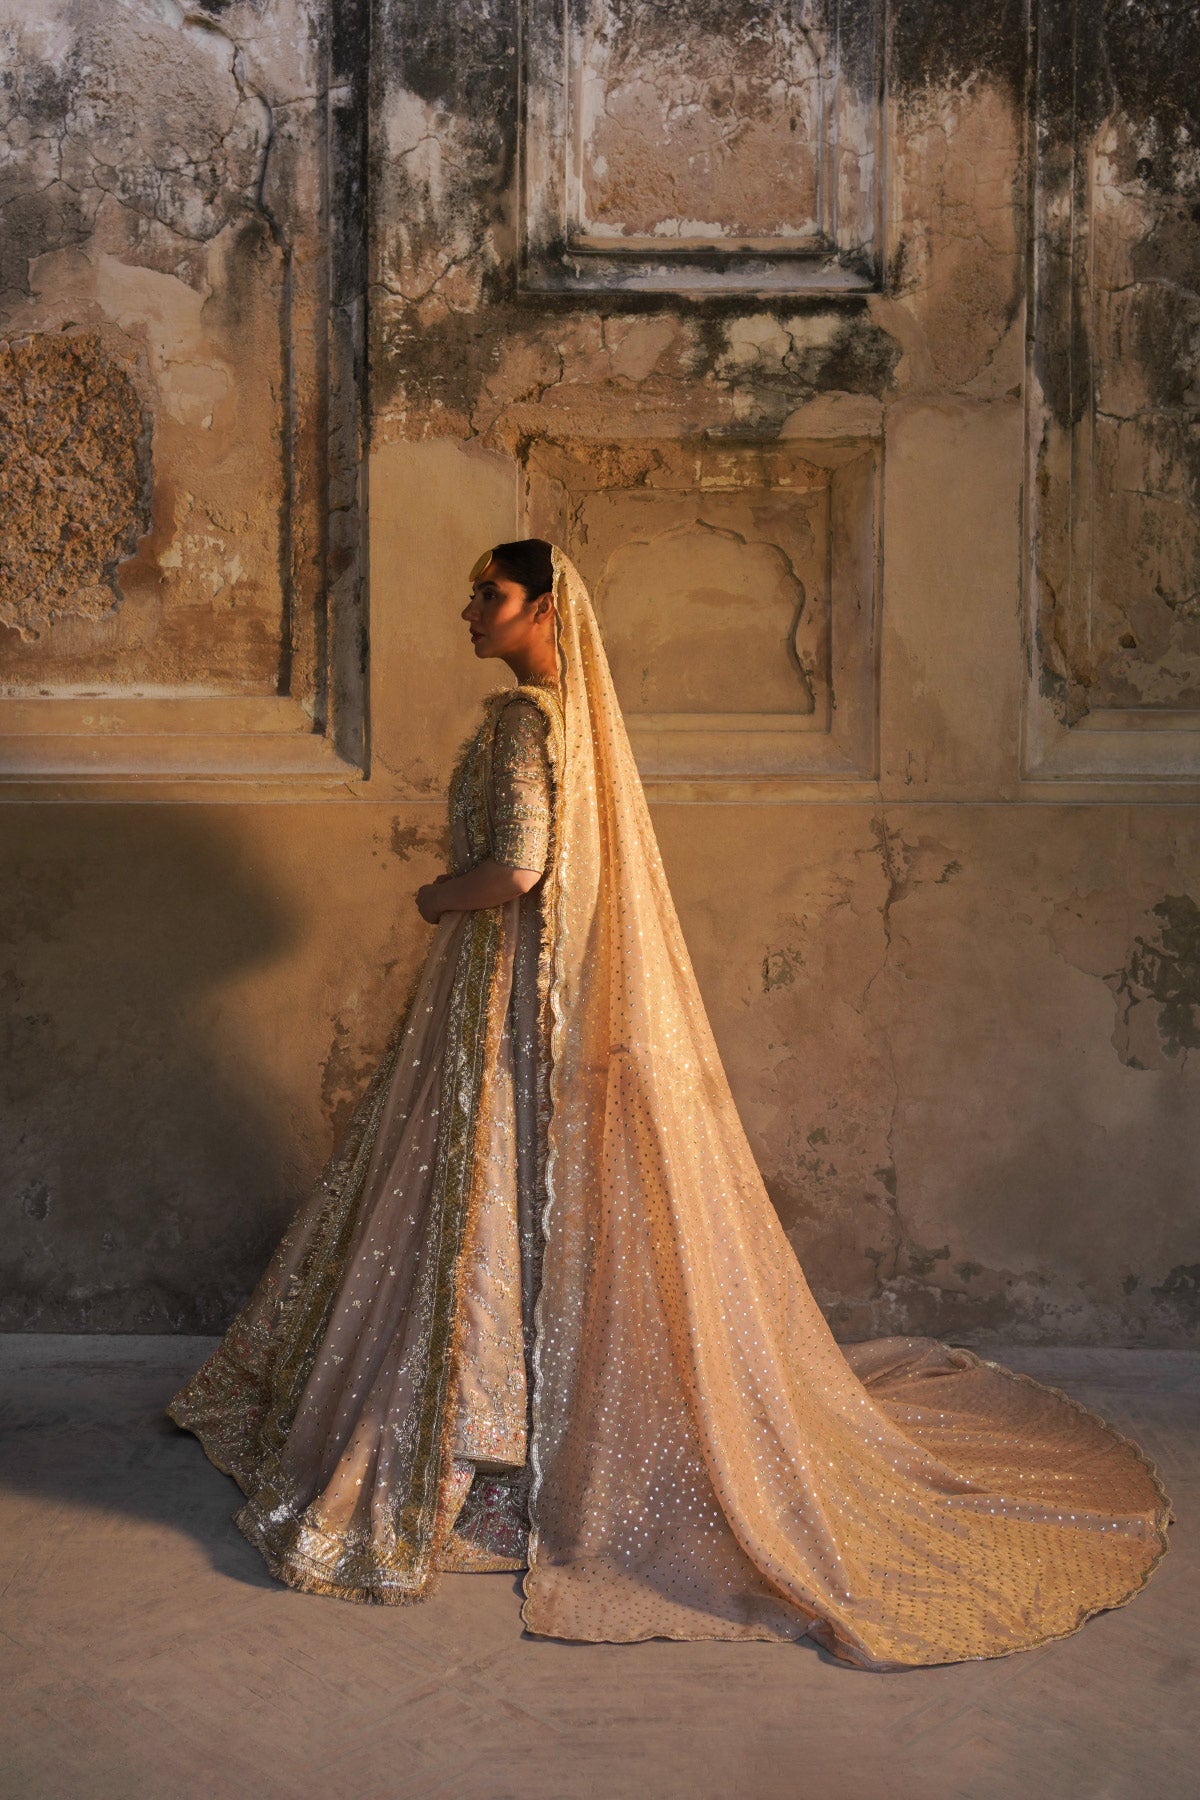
[780,968]
[74,478]
[345,1072]
[940,44]
[144,107]
[1180,1291]
[1161,979]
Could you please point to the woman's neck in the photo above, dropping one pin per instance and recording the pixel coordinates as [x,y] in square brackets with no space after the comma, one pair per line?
[535,671]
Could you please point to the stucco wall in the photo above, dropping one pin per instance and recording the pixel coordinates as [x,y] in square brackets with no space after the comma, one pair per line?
[899,573]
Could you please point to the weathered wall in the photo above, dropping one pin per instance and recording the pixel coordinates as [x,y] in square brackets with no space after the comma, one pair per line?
[143,256]
[177,435]
[891,513]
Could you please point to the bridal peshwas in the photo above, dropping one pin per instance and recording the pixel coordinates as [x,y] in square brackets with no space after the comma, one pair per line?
[540,1314]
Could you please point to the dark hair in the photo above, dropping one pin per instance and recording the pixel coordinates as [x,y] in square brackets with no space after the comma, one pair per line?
[528,561]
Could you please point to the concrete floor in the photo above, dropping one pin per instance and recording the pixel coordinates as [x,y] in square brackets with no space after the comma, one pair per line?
[146,1652]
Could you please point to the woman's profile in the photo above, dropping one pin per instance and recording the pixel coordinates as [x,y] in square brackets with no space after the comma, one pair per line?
[540,1314]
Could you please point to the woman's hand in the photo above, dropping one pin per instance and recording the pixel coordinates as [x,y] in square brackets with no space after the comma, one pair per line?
[427,903]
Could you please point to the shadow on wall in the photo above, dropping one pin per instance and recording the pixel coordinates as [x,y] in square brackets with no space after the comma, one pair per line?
[146,1168]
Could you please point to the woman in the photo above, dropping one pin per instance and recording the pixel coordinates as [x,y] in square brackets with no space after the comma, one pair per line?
[540,1312]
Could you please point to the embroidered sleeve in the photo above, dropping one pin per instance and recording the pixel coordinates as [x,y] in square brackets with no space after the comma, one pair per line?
[521,791]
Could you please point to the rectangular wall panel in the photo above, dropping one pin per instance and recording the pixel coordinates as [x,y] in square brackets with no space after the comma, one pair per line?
[1113,490]
[664,156]
[736,586]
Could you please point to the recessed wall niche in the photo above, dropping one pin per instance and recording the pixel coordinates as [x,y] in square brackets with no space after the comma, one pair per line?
[736,587]
[665,156]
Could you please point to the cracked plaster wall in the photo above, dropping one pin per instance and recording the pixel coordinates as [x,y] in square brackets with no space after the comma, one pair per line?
[959,1019]
[1116,363]
[149,222]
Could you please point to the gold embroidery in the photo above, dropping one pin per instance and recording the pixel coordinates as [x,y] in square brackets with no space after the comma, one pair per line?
[246,1401]
[520,787]
[355,1566]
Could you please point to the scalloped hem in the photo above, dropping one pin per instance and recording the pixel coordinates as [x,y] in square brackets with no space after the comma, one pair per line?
[824,1633]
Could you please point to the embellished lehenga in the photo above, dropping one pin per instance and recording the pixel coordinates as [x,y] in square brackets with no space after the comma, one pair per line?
[539,1312]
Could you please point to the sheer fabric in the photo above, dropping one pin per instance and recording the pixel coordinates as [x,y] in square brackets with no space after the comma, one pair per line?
[542,1311]
[707,1461]
[372,1395]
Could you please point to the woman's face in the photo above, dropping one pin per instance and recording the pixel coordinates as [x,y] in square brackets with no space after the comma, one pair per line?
[503,621]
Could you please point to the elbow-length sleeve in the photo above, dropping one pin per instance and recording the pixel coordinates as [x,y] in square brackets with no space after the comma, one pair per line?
[521,788]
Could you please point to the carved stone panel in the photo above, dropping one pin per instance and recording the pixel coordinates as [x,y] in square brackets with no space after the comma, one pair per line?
[735,586]
[664,153]
[1113,503]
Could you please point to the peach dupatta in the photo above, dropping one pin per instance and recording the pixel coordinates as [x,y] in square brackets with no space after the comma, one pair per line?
[707,1462]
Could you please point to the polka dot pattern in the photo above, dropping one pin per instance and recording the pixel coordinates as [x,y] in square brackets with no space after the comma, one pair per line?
[707,1461]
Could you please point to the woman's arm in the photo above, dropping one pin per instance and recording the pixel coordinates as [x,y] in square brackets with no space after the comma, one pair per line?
[489,883]
[519,827]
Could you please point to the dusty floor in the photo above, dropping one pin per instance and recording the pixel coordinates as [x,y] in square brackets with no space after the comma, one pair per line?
[146,1653]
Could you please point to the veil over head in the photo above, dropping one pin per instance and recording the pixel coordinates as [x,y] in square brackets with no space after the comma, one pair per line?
[707,1462]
